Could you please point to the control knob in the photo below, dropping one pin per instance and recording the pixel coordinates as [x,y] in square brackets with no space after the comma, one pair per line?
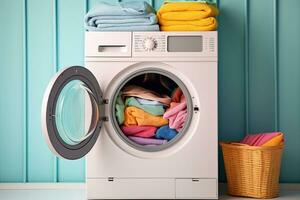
[149,44]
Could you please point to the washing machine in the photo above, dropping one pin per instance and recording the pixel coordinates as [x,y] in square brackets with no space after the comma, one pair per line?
[79,115]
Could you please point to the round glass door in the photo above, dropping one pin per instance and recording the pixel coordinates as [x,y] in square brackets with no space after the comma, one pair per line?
[70,116]
[72,112]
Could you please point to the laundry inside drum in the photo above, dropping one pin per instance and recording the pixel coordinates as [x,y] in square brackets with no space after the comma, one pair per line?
[151,110]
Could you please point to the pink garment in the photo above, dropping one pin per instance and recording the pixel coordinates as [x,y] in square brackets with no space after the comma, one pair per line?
[259,139]
[139,131]
[177,114]
[137,91]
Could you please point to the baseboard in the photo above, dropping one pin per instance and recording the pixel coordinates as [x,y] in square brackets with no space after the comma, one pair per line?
[82,186]
[42,186]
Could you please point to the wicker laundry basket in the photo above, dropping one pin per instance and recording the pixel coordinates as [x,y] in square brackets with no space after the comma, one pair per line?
[252,171]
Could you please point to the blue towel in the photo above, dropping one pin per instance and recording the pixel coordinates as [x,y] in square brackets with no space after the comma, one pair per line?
[123,16]
[126,28]
[165,132]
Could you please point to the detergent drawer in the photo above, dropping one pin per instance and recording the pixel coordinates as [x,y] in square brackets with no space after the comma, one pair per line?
[108,44]
[127,188]
[196,189]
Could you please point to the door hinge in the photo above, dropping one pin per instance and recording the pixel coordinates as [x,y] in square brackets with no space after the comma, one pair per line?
[110,178]
[105,119]
[105,101]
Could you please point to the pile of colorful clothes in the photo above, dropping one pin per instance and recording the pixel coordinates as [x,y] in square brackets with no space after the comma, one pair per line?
[264,139]
[148,118]
[122,16]
[187,16]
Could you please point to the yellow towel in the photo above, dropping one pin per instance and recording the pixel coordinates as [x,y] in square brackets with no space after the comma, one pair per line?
[187,16]
[186,11]
[275,141]
[208,24]
[136,116]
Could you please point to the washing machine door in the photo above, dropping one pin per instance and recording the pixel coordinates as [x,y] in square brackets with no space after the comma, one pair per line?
[72,112]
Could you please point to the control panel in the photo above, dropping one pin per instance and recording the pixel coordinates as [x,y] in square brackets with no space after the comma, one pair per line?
[151,44]
[148,44]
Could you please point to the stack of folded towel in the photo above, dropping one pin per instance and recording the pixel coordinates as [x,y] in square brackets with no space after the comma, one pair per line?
[187,16]
[122,16]
[148,118]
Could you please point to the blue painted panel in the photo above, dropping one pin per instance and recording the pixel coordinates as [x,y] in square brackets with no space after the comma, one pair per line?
[231,74]
[261,67]
[70,51]
[41,163]
[252,95]
[289,82]
[12,130]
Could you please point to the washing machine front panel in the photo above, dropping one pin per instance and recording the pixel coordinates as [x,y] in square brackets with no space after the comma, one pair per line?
[194,155]
[63,112]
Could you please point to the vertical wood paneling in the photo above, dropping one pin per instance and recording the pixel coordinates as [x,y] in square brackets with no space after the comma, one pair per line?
[261,66]
[289,83]
[40,70]
[259,80]
[231,73]
[25,94]
[70,51]
[275,57]
[55,69]
[246,65]
[12,90]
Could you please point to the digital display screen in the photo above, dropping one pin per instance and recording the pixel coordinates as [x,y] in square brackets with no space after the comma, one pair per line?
[185,44]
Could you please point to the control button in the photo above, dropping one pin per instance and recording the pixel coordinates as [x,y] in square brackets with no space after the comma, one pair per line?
[149,44]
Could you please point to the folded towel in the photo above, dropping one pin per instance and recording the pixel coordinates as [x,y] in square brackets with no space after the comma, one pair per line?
[165,132]
[137,91]
[275,141]
[148,102]
[187,16]
[122,16]
[126,28]
[207,24]
[185,11]
[264,139]
[147,141]
[120,110]
[151,109]
[136,116]
[139,131]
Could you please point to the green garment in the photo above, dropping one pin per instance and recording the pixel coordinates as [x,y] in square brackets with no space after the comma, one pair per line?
[155,110]
[120,109]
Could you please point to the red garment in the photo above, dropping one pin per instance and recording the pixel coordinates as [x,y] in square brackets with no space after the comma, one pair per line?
[139,131]
[176,96]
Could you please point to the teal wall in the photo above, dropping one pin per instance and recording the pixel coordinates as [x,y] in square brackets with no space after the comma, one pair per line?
[259,77]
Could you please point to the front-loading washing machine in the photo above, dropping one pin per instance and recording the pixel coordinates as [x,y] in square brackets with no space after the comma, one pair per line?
[79,115]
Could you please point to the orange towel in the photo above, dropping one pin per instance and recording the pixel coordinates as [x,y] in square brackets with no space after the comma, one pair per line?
[275,141]
[136,116]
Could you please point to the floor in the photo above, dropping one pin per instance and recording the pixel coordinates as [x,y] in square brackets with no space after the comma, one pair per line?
[80,195]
